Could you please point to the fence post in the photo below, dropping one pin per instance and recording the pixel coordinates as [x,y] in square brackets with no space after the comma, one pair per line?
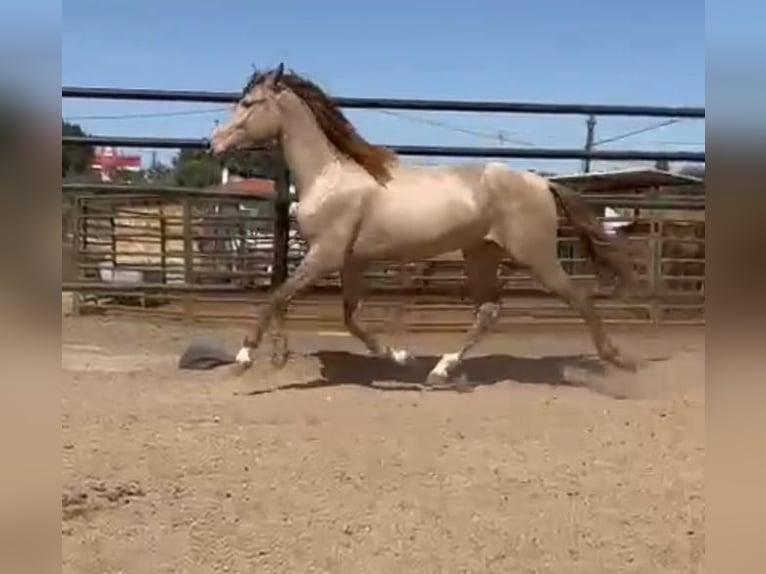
[589,141]
[655,269]
[75,225]
[113,238]
[163,245]
[188,297]
[281,227]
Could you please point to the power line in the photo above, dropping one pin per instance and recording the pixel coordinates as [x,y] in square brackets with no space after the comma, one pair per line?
[637,132]
[149,115]
[498,136]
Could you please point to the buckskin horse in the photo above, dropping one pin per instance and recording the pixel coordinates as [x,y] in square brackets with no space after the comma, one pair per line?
[359,204]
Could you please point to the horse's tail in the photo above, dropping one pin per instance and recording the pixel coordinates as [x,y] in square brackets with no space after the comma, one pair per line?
[609,253]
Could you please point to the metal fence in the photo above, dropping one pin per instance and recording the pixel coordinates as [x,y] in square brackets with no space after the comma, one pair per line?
[199,255]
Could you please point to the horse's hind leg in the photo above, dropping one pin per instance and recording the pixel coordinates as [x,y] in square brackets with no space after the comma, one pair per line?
[352,287]
[481,264]
[550,273]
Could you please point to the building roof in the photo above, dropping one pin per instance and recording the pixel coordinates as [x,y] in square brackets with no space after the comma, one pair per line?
[257,187]
[628,179]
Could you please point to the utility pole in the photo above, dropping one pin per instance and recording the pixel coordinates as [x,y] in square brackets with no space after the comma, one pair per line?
[589,141]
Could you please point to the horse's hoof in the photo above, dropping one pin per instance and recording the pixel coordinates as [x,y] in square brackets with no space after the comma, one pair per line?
[400,357]
[436,379]
[279,350]
[624,362]
[279,360]
[462,385]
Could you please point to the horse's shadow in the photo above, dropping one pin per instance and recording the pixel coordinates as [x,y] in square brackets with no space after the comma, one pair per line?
[341,368]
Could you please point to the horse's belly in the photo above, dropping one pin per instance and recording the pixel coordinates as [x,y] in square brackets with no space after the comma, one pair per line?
[417,234]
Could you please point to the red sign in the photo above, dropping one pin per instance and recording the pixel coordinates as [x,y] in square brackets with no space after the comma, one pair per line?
[109,159]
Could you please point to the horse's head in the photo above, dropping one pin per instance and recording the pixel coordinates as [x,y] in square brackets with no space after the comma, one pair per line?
[256,118]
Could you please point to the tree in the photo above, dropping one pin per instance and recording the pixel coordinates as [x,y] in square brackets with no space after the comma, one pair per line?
[196,168]
[159,173]
[75,159]
[259,163]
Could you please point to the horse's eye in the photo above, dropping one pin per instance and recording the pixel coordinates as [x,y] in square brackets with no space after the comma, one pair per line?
[246,103]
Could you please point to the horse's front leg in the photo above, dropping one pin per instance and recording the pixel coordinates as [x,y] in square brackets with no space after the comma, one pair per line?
[352,289]
[322,258]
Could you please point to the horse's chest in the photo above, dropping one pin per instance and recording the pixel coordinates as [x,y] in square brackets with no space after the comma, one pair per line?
[314,215]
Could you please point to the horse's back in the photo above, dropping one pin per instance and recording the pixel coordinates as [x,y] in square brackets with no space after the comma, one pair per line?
[425,209]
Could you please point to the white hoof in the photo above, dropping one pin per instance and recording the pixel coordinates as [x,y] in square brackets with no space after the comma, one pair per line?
[243,357]
[399,356]
[445,365]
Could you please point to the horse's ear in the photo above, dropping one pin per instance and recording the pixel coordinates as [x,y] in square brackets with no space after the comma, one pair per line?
[278,72]
[276,75]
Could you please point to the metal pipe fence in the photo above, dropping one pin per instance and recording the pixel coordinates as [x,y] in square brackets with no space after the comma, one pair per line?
[423,151]
[185,252]
[430,105]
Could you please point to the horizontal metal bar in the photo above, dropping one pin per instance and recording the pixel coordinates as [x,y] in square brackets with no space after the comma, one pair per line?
[637,203]
[92,287]
[651,204]
[549,153]
[84,286]
[693,203]
[688,260]
[422,151]
[676,240]
[158,190]
[396,103]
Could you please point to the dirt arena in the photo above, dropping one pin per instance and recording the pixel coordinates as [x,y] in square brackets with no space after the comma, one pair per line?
[340,463]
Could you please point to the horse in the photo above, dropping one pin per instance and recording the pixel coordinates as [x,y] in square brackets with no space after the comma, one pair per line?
[359,204]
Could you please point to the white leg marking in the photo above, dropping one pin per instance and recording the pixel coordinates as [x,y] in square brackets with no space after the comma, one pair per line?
[243,356]
[444,365]
[399,356]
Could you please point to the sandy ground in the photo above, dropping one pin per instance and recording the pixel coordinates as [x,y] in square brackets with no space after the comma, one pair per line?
[340,463]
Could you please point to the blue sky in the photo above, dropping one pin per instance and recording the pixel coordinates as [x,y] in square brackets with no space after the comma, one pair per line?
[590,51]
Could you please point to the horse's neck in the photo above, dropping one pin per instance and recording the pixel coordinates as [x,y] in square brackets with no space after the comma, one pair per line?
[307,150]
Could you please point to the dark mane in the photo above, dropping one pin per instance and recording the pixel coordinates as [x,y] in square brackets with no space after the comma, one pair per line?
[376,160]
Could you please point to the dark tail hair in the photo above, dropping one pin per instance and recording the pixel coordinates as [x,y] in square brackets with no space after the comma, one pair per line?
[610,254]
